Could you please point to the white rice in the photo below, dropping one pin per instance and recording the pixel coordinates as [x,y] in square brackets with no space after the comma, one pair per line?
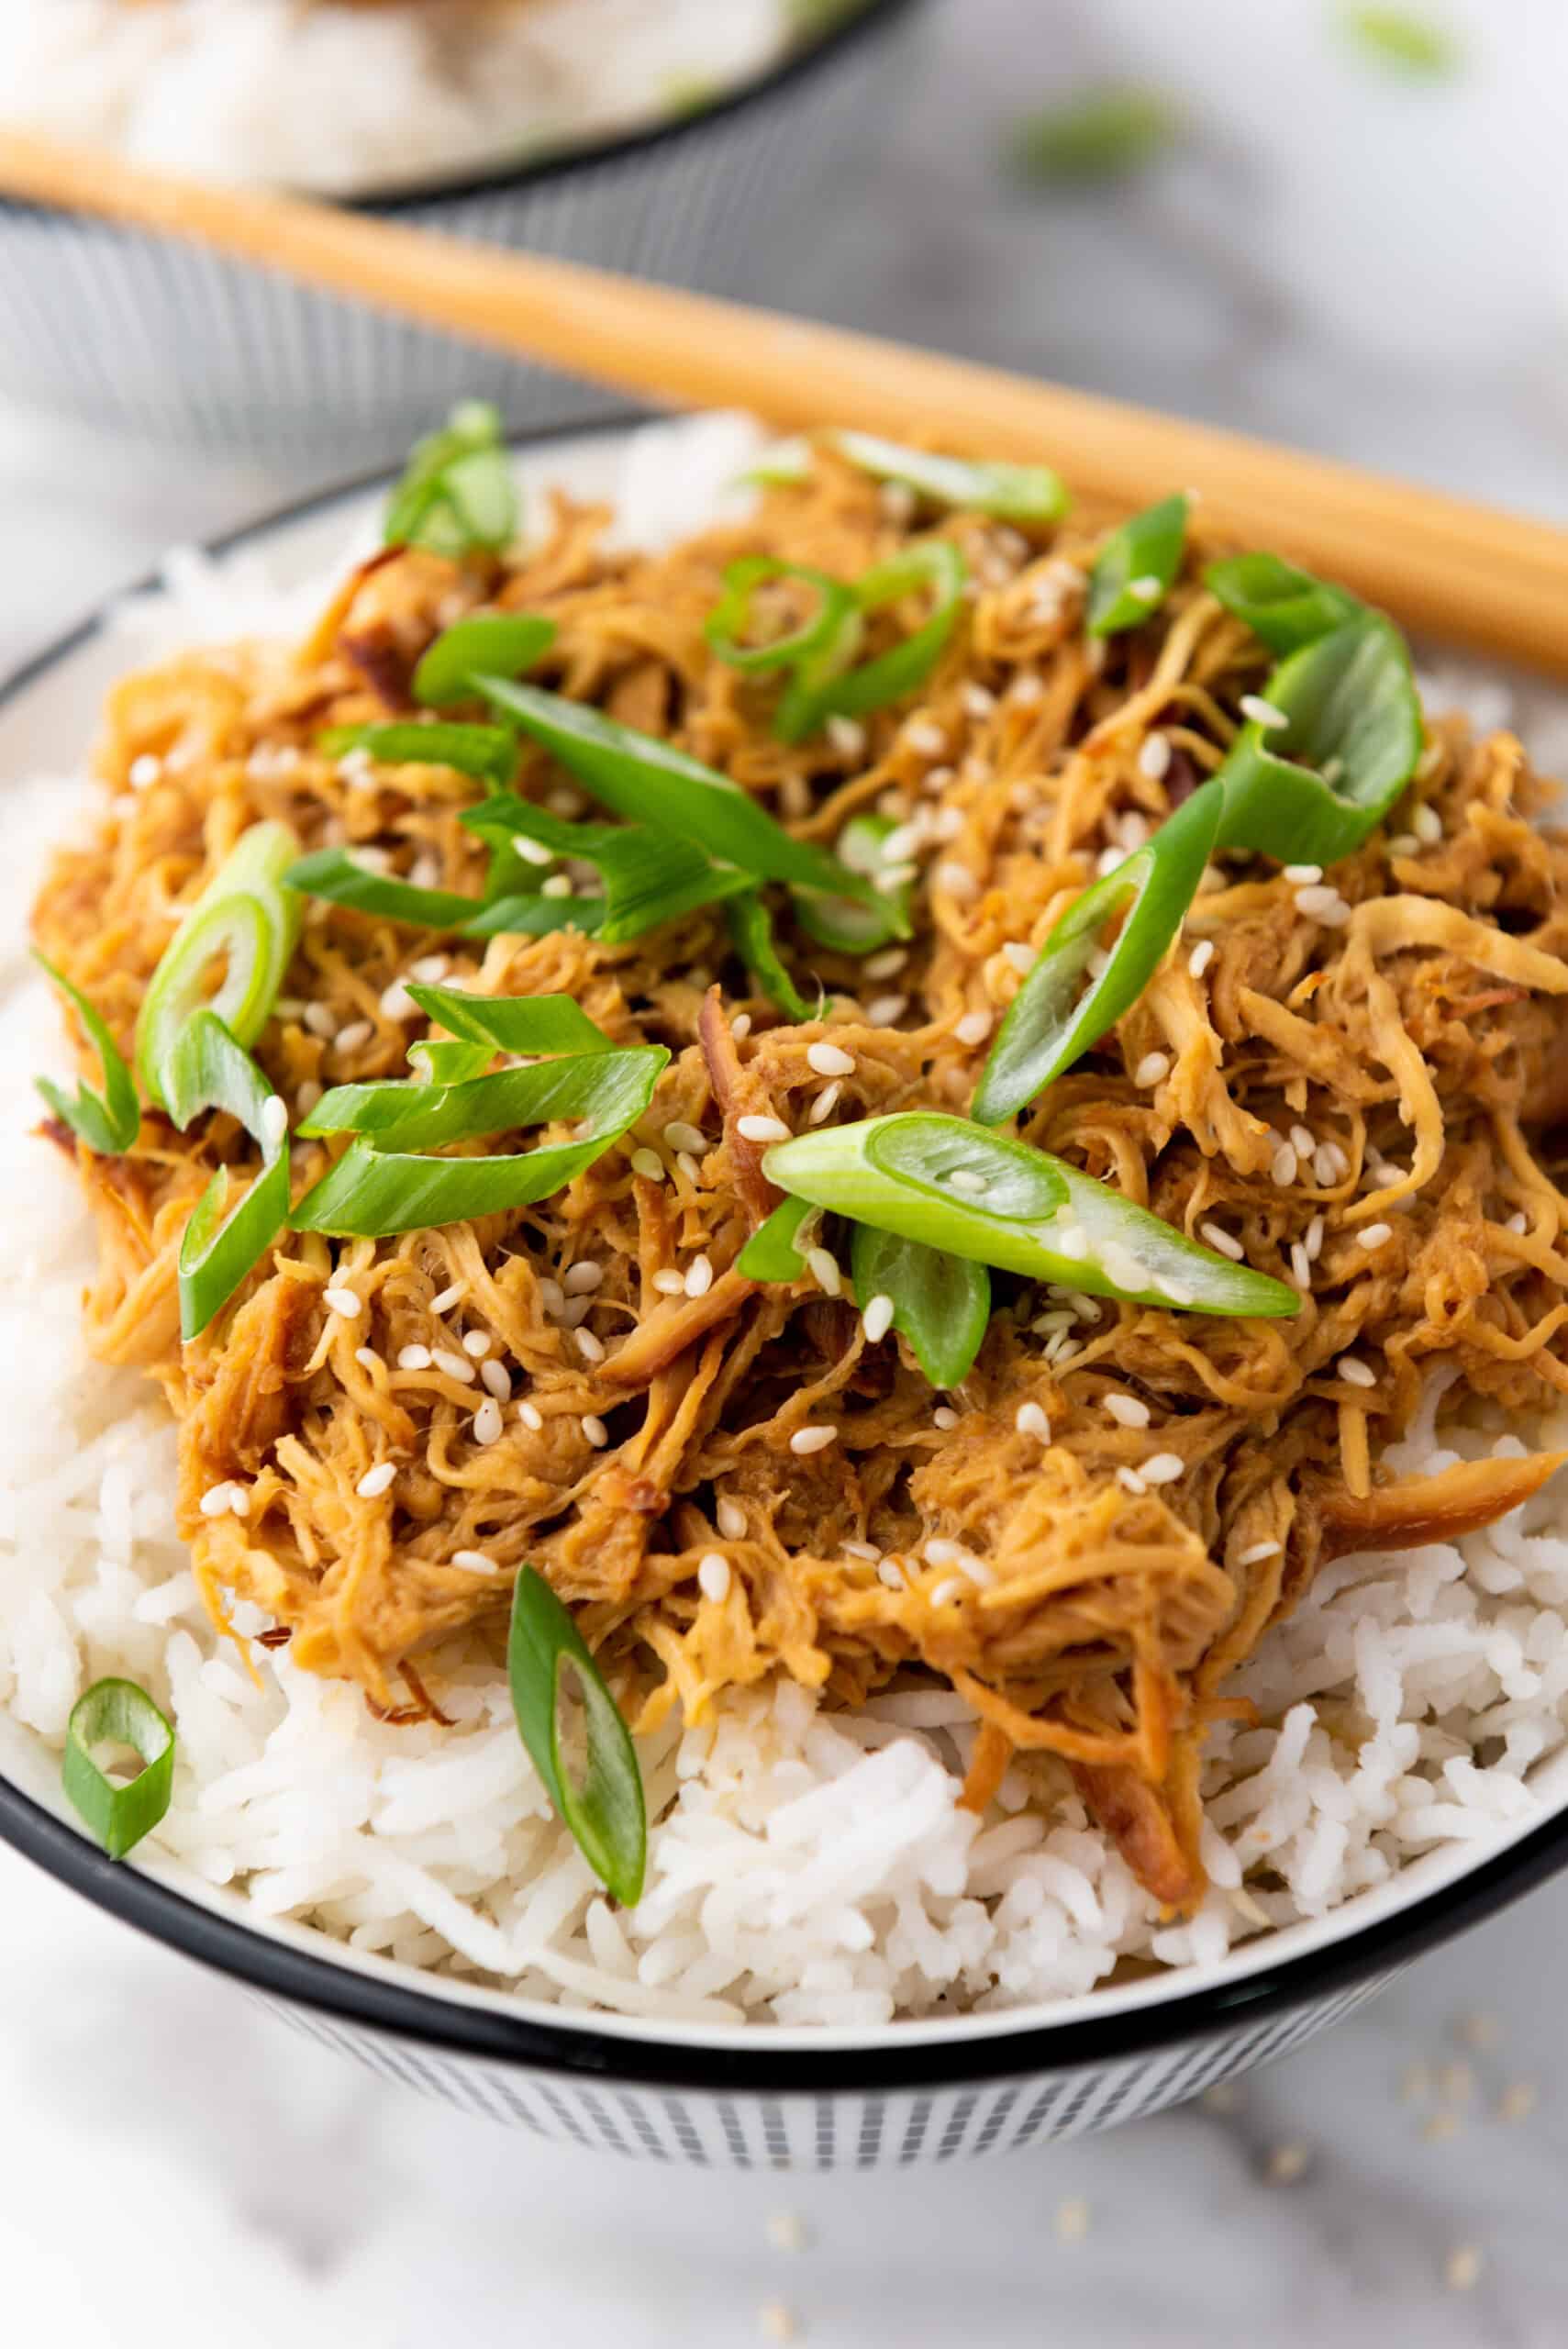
[343,99]
[804,1868]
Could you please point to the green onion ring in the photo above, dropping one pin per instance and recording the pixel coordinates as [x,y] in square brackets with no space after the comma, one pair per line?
[108,1122]
[118,1712]
[605,1810]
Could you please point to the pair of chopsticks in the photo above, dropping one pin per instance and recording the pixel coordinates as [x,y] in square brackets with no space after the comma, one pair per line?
[1495,581]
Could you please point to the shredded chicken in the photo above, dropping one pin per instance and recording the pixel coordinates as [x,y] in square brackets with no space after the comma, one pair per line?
[1350,1098]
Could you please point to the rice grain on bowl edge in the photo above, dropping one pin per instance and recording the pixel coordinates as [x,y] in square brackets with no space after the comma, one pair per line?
[804,1869]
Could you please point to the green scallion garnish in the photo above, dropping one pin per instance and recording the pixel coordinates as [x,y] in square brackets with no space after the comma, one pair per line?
[824,686]
[1135,568]
[729,626]
[207,1069]
[774,1252]
[648,876]
[751,930]
[458,495]
[108,1122]
[1103,134]
[599,1797]
[116,1712]
[852,927]
[245,922]
[488,754]
[1284,607]
[942,1303]
[1009,492]
[951,1185]
[495,644]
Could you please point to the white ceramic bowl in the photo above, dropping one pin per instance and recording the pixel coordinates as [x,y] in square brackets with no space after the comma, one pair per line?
[756,2097]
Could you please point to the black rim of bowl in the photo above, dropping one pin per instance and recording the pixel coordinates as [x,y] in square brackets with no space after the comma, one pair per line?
[802,60]
[425,2019]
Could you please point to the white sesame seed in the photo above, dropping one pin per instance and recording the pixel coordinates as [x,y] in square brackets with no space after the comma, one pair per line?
[595,1430]
[1304,1141]
[1072,2220]
[1320,901]
[732,1520]
[1128,1410]
[824,1106]
[1164,1468]
[1375,1235]
[904,840]
[670,1282]
[830,1060]
[1130,1481]
[1300,1265]
[944,1416]
[532,851]
[591,1348]
[367,1358]
[1148,589]
[456,1367]
[1201,957]
[1313,1242]
[217,1500]
[888,1010]
[1262,712]
[1153,1069]
[307,1098]
[581,1278]
[1177,1291]
[926,739]
[319,1019]
[478,1343]
[884,966]
[428,969]
[357,1032]
[1022,957]
[953,1587]
[1518,1222]
[979,701]
[1426,825]
[1302,872]
[1282,1170]
[414,1358]
[741,1026]
[375,1480]
[1258,1552]
[712,1577]
[956,880]
[497,1378]
[488,1421]
[275,1121]
[144,771]
[556,885]
[877,1318]
[396,1002]
[824,1267]
[1030,1420]
[699,1276]
[1359,1373]
[964,1178]
[847,735]
[1110,860]
[1027,689]
[531,1416]
[1154,756]
[678,1135]
[343,1302]
[687,1166]
[887,1573]
[474,1561]
[762,1129]
[937,781]
[973,1028]
[649,1165]
[808,1440]
[1330,1164]
[446,1298]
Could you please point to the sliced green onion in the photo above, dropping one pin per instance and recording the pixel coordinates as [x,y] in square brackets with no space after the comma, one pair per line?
[496,644]
[108,1122]
[950,1185]
[1409,42]
[1134,569]
[1309,792]
[942,1303]
[815,696]
[854,929]
[533,1024]
[207,1069]
[603,1804]
[246,921]
[530,914]
[116,1712]
[784,464]
[336,874]
[1104,134]
[1048,1024]
[1285,606]
[379,1187]
[727,625]
[489,753]
[752,927]
[1010,492]
[648,876]
[438,1062]
[650,782]
[458,495]
[772,1252]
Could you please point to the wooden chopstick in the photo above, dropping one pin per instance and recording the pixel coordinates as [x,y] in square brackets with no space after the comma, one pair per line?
[1475,575]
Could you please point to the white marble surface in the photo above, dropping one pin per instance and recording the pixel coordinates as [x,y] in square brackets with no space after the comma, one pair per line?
[1343,259]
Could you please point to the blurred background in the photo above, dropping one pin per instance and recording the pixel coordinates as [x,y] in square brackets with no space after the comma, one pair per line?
[1337,225]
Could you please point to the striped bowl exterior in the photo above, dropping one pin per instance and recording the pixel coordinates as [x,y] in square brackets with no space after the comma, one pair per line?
[175,344]
[848,2128]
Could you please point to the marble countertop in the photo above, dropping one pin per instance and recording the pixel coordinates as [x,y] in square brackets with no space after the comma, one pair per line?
[1342,258]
